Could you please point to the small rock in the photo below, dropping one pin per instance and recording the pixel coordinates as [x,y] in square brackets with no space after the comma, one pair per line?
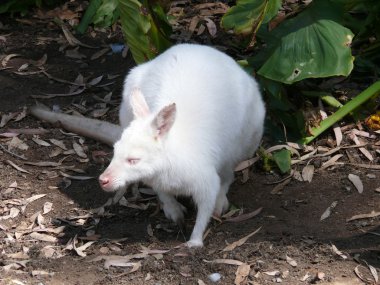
[371,176]
[215,277]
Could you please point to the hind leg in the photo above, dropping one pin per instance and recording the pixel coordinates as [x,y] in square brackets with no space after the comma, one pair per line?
[222,204]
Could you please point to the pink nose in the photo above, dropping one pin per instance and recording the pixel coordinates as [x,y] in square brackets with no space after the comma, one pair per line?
[103,181]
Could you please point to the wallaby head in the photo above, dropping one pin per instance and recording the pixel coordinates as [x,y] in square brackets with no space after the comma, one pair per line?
[139,154]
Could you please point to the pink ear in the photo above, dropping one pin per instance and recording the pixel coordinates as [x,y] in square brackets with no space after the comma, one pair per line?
[139,106]
[164,120]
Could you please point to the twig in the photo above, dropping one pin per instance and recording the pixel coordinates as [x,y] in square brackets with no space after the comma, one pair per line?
[12,153]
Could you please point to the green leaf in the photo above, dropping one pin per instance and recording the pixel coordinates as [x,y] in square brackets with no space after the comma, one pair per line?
[88,15]
[311,45]
[282,160]
[107,13]
[142,29]
[248,15]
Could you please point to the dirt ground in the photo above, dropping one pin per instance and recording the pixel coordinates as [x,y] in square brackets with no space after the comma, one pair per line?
[293,245]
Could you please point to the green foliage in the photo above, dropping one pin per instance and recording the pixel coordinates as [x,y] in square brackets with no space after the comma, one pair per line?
[102,13]
[282,158]
[22,6]
[313,44]
[145,28]
[370,92]
[247,16]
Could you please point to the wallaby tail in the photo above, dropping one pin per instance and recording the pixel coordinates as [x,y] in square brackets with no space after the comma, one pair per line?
[101,131]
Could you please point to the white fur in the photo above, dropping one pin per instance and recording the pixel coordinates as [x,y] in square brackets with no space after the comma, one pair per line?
[191,147]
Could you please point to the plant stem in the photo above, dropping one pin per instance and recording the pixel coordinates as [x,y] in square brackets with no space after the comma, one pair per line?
[373,90]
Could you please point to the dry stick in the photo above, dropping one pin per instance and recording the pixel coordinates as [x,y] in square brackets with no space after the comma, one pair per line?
[11,153]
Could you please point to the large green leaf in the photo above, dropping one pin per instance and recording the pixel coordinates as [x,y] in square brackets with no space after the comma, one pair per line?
[247,16]
[143,33]
[313,44]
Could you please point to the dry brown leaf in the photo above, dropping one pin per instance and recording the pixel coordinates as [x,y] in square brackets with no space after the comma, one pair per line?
[241,274]
[338,252]
[5,60]
[211,27]
[308,173]
[240,242]
[79,150]
[15,142]
[95,81]
[76,177]
[374,273]
[278,188]
[58,143]
[43,237]
[100,53]
[338,135]
[361,276]
[245,217]
[331,161]
[193,25]
[47,207]
[80,250]
[373,214]
[291,261]
[18,255]
[40,142]
[272,273]
[357,182]
[366,153]
[97,113]
[5,118]
[11,163]
[327,213]
[224,261]
[246,163]
[40,273]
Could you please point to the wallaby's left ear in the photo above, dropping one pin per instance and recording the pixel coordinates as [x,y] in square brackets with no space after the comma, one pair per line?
[164,120]
[139,106]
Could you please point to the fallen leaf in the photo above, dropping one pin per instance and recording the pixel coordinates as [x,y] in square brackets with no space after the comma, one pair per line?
[15,142]
[224,261]
[13,213]
[279,187]
[338,135]
[47,207]
[17,167]
[40,142]
[272,273]
[331,161]
[43,237]
[80,250]
[338,252]
[240,242]
[327,213]
[245,217]
[241,274]
[291,261]
[58,143]
[40,273]
[373,214]
[308,173]
[374,273]
[356,181]
[211,27]
[79,150]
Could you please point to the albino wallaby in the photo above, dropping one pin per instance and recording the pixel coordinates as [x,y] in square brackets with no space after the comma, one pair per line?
[189,117]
